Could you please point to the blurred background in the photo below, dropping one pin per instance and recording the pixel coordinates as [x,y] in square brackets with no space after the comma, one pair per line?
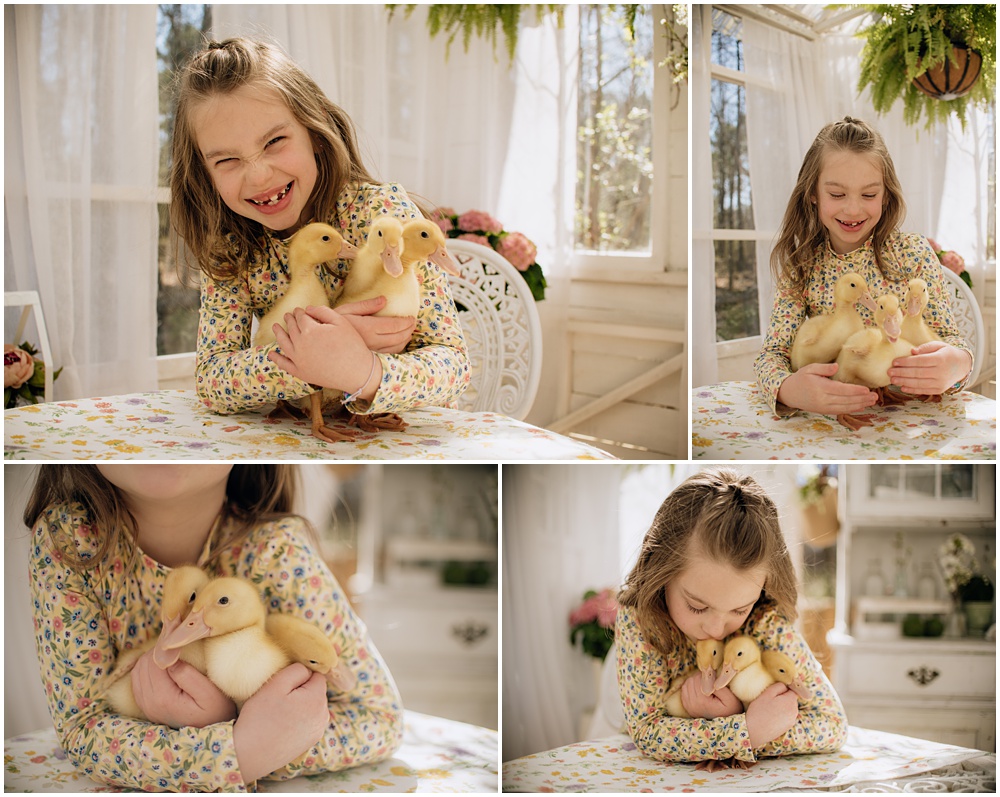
[896,567]
[413,546]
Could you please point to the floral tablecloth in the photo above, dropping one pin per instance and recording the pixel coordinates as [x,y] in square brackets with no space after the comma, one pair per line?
[173,424]
[732,420]
[870,761]
[438,755]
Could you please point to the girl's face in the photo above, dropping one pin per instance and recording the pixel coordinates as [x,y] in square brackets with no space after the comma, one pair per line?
[260,157]
[156,483]
[710,600]
[849,198]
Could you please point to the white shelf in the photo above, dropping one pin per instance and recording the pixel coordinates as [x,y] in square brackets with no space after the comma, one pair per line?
[426,549]
[893,605]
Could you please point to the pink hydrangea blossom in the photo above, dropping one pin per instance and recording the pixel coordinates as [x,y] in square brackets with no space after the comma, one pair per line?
[602,608]
[518,249]
[479,221]
[443,217]
[949,259]
[476,239]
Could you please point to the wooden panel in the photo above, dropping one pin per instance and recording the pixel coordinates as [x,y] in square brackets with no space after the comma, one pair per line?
[661,430]
[664,305]
[595,375]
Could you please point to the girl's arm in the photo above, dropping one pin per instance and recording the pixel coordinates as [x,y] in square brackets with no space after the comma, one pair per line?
[644,676]
[365,724]
[822,723]
[73,637]
[230,374]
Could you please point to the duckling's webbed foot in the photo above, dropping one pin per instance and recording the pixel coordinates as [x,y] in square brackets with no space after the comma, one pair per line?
[285,409]
[853,422]
[319,429]
[927,399]
[887,397]
[382,421]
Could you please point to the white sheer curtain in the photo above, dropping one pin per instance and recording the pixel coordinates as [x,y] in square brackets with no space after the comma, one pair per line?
[560,538]
[80,161]
[466,130]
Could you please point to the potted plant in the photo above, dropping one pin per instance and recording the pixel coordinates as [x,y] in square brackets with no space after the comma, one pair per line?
[939,59]
[977,603]
[593,622]
[970,588]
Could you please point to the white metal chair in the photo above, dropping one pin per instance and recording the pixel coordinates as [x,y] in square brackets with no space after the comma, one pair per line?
[501,327]
[29,301]
[969,319]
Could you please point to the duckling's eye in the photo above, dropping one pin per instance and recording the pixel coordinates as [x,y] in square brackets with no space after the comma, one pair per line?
[311,661]
[425,234]
[739,653]
[379,233]
[326,238]
[854,285]
[193,596]
[223,600]
[781,670]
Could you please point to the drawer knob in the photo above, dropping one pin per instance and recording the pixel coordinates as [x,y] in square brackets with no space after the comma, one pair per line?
[923,675]
[469,633]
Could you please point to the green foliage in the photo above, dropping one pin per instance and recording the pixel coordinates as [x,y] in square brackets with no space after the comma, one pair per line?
[977,588]
[905,41]
[596,641]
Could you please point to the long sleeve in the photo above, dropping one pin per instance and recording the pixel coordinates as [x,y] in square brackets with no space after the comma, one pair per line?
[645,675]
[910,257]
[232,376]
[367,723]
[78,618]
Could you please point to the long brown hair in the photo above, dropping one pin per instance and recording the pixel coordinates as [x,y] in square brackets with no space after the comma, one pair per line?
[222,242]
[802,233]
[721,514]
[254,493]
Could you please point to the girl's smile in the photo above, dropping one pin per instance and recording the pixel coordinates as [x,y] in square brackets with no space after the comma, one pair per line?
[260,157]
[849,198]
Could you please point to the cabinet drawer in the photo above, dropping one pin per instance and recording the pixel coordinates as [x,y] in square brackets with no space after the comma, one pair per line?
[460,634]
[919,674]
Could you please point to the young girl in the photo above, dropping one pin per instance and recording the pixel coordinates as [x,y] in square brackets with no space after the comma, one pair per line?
[258,152]
[104,539]
[713,564]
[843,216]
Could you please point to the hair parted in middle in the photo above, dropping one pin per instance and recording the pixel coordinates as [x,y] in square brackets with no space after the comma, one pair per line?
[221,241]
[720,514]
[802,233]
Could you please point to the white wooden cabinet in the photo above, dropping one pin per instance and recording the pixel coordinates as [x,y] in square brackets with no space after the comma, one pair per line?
[421,527]
[894,520]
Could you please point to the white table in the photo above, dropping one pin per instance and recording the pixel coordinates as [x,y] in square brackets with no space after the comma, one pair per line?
[869,761]
[731,420]
[173,424]
[437,755]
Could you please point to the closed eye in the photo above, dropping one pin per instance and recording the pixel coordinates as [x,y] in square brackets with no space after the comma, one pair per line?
[275,140]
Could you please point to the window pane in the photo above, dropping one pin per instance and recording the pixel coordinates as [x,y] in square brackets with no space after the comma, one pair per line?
[727,40]
[732,200]
[615,130]
[736,312]
[180,31]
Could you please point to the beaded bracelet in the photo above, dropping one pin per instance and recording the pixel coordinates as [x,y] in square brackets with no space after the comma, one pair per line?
[354,396]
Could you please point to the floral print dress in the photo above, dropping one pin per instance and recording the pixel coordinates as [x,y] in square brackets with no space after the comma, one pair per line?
[84,620]
[645,675]
[233,376]
[908,253]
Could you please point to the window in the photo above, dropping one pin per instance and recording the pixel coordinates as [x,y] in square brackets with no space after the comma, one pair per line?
[180,31]
[615,129]
[736,305]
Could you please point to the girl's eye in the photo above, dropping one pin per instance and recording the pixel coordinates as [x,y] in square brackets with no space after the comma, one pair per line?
[275,140]
[837,196]
[697,611]
[869,196]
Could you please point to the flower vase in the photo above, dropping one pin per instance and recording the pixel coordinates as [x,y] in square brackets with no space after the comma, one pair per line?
[954,625]
[978,615]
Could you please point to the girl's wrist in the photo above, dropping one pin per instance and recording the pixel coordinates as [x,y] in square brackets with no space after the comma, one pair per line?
[367,390]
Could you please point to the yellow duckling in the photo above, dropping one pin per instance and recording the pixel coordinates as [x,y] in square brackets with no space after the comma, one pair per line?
[709,657]
[240,655]
[742,670]
[311,247]
[180,589]
[915,327]
[820,337]
[868,355]
[783,669]
[306,644]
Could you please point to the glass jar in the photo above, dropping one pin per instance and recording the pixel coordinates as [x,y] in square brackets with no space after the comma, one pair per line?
[926,582]
[874,580]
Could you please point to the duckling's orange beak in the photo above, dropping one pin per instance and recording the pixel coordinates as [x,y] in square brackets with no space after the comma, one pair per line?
[444,260]
[800,688]
[341,678]
[707,680]
[347,251]
[391,261]
[194,627]
[162,657]
[726,674]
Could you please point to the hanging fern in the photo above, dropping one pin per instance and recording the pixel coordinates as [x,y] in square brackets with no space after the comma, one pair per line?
[905,41]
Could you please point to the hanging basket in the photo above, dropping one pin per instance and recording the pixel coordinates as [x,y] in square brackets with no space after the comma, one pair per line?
[949,81]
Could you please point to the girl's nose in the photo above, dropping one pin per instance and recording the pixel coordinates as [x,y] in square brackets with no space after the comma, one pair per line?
[714,627]
[258,171]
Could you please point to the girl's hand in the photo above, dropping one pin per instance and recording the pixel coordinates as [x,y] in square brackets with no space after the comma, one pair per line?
[179,695]
[286,717]
[330,354]
[934,367]
[389,335]
[772,714]
[811,389]
[722,703]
